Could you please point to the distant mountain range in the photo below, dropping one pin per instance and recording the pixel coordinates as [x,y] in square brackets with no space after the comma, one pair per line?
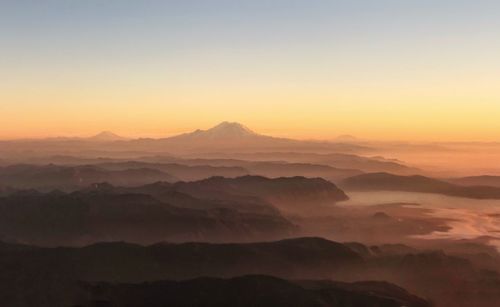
[69,178]
[390,182]
[337,160]
[225,136]
[196,169]
[332,167]
[485,180]
[230,136]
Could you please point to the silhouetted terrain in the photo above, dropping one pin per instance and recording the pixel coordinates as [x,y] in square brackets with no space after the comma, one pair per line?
[335,159]
[82,221]
[217,209]
[255,193]
[368,174]
[50,177]
[493,181]
[196,169]
[50,276]
[287,193]
[183,172]
[390,182]
[81,217]
[256,290]
[224,137]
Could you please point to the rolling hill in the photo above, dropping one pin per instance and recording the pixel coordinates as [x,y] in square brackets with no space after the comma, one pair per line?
[390,182]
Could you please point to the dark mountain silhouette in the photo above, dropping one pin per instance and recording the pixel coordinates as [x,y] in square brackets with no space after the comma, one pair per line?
[337,160]
[48,177]
[390,182]
[291,258]
[269,168]
[217,209]
[183,172]
[6,190]
[254,290]
[255,193]
[170,194]
[284,169]
[287,193]
[485,180]
[97,214]
[52,275]
[196,169]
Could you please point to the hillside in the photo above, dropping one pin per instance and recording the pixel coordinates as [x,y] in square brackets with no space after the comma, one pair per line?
[390,182]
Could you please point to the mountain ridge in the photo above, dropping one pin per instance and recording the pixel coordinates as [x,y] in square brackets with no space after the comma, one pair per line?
[106,136]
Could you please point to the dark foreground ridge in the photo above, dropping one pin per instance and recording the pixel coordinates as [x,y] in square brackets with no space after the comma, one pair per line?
[53,277]
[255,290]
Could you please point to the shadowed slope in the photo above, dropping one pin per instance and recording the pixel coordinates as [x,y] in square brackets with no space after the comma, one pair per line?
[390,182]
[255,290]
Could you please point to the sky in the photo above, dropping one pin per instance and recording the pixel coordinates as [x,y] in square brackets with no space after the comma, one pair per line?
[425,70]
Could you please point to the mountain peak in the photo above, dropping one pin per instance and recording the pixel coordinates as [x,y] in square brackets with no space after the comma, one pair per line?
[223,131]
[106,136]
[230,129]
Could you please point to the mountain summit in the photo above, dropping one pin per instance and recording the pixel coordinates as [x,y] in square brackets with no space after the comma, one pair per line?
[235,137]
[106,136]
[229,129]
[223,131]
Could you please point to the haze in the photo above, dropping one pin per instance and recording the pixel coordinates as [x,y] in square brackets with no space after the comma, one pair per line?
[329,153]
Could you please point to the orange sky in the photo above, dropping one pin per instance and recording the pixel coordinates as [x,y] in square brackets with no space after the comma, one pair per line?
[417,70]
[320,113]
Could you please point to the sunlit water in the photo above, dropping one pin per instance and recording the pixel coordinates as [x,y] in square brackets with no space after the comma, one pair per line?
[472,218]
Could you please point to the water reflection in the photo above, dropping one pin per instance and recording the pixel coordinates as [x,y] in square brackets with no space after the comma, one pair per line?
[468,218]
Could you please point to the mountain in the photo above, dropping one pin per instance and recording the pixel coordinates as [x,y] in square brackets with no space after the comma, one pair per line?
[247,193]
[169,193]
[49,177]
[336,160]
[251,290]
[226,136]
[285,169]
[272,169]
[289,194]
[224,130]
[197,169]
[230,136]
[485,180]
[216,209]
[106,136]
[390,182]
[54,276]
[181,171]
[102,214]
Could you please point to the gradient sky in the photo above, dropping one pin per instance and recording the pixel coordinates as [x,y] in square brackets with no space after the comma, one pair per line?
[414,69]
